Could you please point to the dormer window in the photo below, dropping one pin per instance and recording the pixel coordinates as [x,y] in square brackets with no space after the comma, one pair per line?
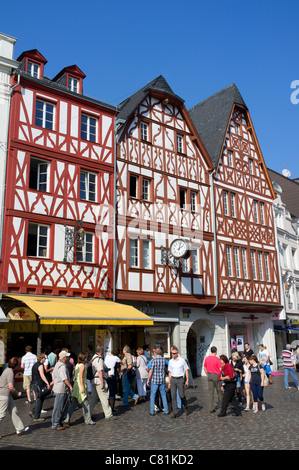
[73,84]
[33,69]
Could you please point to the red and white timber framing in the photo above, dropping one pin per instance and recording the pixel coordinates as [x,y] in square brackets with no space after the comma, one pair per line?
[65,156]
[248,270]
[159,147]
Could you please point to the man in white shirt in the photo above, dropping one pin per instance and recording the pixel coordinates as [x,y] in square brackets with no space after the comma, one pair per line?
[27,363]
[177,369]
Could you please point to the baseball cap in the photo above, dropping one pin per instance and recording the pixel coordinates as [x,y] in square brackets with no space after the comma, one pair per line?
[63,354]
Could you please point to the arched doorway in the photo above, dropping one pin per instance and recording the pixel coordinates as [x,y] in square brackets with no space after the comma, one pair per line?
[199,340]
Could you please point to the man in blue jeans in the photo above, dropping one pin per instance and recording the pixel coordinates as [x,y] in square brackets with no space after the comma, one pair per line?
[157,377]
[126,367]
[289,366]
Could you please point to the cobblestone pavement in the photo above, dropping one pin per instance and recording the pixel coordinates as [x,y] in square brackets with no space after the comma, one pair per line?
[135,429]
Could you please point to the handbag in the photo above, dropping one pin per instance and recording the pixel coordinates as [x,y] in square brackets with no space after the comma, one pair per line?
[43,391]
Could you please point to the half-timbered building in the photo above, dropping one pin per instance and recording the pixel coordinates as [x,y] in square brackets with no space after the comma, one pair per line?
[164,215]
[57,248]
[248,284]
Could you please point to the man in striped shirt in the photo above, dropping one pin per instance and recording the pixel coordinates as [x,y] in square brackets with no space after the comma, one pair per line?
[289,366]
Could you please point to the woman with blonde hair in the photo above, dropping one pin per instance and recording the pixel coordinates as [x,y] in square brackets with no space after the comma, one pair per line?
[80,393]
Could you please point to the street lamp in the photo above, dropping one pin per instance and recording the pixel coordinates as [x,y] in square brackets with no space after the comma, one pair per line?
[74,238]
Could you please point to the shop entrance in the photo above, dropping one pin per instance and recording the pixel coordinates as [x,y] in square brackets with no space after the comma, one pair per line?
[199,340]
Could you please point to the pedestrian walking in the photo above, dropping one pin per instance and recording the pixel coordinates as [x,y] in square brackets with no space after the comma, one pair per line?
[27,363]
[141,373]
[99,389]
[247,389]
[256,381]
[127,376]
[177,371]
[80,393]
[156,377]
[7,389]
[212,367]
[229,387]
[265,362]
[289,366]
[237,364]
[112,361]
[40,386]
[62,387]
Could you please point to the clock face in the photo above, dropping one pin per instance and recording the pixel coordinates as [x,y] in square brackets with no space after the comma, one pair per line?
[179,248]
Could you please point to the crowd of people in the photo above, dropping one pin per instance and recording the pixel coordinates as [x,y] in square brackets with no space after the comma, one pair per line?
[84,380]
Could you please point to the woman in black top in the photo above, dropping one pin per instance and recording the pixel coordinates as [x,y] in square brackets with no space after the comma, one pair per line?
[39,382]
[256,381]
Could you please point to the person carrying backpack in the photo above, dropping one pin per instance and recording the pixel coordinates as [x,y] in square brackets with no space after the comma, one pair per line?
[99,389]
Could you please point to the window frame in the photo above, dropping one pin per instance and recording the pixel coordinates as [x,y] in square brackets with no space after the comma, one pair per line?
[144,131]
[87,134]
[87,182]
[39,246]
[44,112]
[31,64]
[82,251]
[37,174]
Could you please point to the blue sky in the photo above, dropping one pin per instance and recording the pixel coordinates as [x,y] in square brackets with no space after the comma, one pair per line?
[199,47]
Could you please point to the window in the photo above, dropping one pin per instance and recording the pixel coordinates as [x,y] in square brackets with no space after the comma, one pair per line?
[244,262]
[144,131]
[260,263]
[237,261]
[183,198]
[185,265]
[266,255]
[250,161]
[88,128]
[229,260]
[73,84]
[179,143]
[146,244]
[225,203]
[33,69]
[232,204]
[38,174]
[230,158]
[84,254]
[88,186]
[237,127]
[37,242]
[146,189]
[294,259]
[252,253]
[134,253]
[44,114]
[133,186]
[255,211]
[262,213]
[193,198]
[285,255]
[195,261]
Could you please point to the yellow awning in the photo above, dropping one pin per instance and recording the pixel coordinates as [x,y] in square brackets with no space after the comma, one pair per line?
[78,311]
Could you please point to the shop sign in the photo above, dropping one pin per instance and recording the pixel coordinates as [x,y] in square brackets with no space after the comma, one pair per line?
[21,314]
[103,338]
[292,321]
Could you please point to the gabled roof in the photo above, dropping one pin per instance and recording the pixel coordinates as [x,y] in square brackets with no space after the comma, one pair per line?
[71,69]
[211,118]
[33,54]
[127,107]
[290,191]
